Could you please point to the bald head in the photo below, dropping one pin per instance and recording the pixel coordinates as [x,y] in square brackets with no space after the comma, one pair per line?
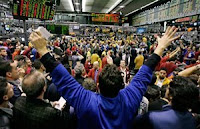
[33,84]
[96,65]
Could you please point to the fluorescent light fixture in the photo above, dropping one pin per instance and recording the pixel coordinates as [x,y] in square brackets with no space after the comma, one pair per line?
[83,5]
[126,3]
[114,5]
[77,3]
[149,4]
[132,12]
[71,5]
[142,7]
[121,6]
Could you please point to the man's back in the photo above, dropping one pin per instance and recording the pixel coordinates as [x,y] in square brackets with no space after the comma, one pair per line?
[36,114]
[106,113]
[171,119]
[166,119]
[139,60]
[95,111]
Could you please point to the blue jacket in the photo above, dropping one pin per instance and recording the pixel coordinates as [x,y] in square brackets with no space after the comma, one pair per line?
[95,111]
[168,118]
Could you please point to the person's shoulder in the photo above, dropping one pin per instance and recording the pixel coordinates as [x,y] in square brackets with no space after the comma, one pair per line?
[167,79]
[162,114]
[21,99]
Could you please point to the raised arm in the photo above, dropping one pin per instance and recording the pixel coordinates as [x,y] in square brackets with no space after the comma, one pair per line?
[172,54]
[137,87]
[187,72]
[67,86]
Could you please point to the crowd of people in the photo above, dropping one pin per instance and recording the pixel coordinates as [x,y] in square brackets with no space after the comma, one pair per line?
[147,82]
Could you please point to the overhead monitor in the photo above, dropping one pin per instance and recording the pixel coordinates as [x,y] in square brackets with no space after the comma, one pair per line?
[141,30]
[105,17]
[40,9]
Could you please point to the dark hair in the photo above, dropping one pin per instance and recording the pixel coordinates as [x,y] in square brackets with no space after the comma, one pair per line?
[5,67]
[3,88]
[20,58]
[22,64]
[194,78]
[153,93]
[74,53]
[184,93]
[95,51]
[163,69]
[2,49]
[65,60]
[37,64]
[89,84]
[33,84]
[110,81]
[163,90]
[153,80]
[68,68]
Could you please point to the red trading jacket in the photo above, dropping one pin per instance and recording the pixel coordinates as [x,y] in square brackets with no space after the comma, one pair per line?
[92,74]
[163,60]
[88,66]
[104,61]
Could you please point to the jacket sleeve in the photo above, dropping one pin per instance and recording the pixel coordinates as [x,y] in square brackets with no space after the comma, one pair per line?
[134,92]
[70,89]
[67,86]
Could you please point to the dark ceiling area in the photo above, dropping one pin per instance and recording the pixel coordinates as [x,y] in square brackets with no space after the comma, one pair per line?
[125,7]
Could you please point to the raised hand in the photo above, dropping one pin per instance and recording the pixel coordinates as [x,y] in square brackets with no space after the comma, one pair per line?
[166,40]
[39,42]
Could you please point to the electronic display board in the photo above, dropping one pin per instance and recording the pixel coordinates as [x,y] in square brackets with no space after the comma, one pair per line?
[40,9]
[105,17]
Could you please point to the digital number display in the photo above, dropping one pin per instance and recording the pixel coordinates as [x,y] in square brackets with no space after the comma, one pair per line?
[105,17]
[23,9]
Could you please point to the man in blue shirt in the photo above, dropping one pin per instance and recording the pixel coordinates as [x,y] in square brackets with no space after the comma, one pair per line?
[183,95]
[114,107]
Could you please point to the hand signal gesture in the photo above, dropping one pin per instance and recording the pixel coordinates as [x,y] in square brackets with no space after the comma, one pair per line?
[166,40]
[39,42]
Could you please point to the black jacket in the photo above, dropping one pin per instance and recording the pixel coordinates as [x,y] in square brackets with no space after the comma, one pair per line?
[37,114]
[5,120]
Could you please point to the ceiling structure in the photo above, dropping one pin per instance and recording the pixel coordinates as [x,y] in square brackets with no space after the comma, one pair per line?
[126,7]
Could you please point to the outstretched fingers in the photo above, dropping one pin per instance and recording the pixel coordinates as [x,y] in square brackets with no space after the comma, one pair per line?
[173,33]
[171,30]
[175,38]
[167,31]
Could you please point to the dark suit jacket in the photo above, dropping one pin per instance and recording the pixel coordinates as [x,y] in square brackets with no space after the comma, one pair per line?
[5,120]
[37,114]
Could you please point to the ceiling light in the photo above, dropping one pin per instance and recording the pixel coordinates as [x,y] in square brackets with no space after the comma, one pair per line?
[114,5]
[71,5]
[78,10]
[77,3]
[142,7]
[132,12]
[149,4]
[114,12]
[121,6]
[83,5]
